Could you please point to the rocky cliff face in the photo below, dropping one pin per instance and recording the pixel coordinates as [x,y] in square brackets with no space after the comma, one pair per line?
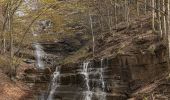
[123,64]
[122,75]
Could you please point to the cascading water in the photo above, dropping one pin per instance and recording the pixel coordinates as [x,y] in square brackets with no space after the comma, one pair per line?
[54,83]
[102,81]
[94,83]
[39,54]
[88,93]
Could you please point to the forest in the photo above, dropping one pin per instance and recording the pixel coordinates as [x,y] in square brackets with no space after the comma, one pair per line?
[84,50]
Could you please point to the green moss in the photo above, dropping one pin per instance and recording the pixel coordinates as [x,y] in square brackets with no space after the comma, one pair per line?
[152,48]
[145,98]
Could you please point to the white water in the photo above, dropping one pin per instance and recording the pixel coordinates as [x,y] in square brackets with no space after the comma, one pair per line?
[54,83]
[88,93]
[39,52]
[39,55]
[102,81]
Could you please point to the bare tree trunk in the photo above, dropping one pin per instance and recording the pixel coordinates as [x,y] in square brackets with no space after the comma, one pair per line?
[4,27]
[115,8]
[159,19]
[4,43]
[137,8]
[167,30]
[145,6]
[101,18]
[11,40]
[164,18]
[9,29]
[127,12]
[153,15]
[108,17]
[11,47]
[109,20]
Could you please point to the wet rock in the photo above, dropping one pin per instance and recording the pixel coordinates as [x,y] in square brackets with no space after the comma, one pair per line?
[47,71]
[121,74]
[36,78]
[30,71]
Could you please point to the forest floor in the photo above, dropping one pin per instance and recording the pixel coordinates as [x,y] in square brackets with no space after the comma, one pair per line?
[157,90]
[11,90]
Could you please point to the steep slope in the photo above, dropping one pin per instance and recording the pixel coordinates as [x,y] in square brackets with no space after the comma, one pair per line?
[133,59]
[10,90]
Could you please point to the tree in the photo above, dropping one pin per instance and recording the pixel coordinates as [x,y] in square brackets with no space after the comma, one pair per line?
[10,9]
[153,15]
[167,39]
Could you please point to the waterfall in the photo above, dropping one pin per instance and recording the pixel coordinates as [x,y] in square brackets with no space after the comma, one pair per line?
[102,81]
[54,83]
[91,75]
[39,52]
[39,55]
[88,93]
